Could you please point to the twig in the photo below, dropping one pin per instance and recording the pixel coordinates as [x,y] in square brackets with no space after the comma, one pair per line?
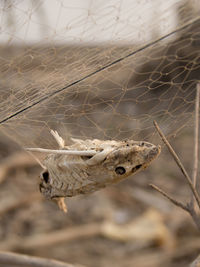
[17,203]
[10,258]
[150,199]
[174,201]
[189,207]
[179,204]
[178,162]
[196,135]
[52,238]
[19,159]
[194,215]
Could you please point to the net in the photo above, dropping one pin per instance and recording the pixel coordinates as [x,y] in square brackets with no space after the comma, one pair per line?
[97,69]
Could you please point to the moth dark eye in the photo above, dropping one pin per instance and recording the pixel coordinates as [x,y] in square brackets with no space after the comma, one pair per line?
[137,167]
[45,176]
[120,170]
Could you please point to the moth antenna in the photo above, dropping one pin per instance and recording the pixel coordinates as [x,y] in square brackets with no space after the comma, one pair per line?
[38,161]
[58,138]
[63,152]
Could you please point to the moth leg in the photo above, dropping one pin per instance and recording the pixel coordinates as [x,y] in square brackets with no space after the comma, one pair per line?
[58,138]
[60,201]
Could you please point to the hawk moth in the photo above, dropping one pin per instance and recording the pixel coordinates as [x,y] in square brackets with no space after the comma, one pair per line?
[89,165]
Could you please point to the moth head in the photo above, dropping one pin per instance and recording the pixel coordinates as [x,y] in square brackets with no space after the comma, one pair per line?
[130,158]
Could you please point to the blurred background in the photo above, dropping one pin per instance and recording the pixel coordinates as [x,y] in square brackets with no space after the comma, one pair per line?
[98,69]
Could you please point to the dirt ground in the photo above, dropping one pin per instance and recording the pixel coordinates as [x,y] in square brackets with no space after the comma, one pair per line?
[124,225]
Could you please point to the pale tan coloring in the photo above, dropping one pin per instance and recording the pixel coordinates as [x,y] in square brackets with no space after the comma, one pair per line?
[89,165]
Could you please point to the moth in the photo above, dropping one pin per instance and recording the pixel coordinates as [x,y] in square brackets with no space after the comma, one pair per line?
[89,165]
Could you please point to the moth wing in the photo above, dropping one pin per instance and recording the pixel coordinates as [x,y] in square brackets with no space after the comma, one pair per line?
[73,171]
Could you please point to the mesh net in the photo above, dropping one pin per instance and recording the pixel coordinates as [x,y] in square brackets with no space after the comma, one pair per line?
[97,69]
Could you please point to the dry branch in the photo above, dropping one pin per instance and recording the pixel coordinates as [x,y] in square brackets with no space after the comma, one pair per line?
[150,199]
[17,160]
[50,239]
[171,199]
[10,258]
[17,203]
[179,163]
[196,141]
[189,207]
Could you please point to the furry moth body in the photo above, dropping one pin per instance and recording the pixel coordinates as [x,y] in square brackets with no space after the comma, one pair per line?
[89,165]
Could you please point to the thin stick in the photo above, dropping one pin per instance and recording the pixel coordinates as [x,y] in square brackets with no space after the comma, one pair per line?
[10,258]
[187,207]
[19,202]
[194,215]
[196,136]
[178,162]
[63,152]
[53,238]
[174,201]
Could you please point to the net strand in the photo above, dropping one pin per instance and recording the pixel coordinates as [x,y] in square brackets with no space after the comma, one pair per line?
[48,96]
